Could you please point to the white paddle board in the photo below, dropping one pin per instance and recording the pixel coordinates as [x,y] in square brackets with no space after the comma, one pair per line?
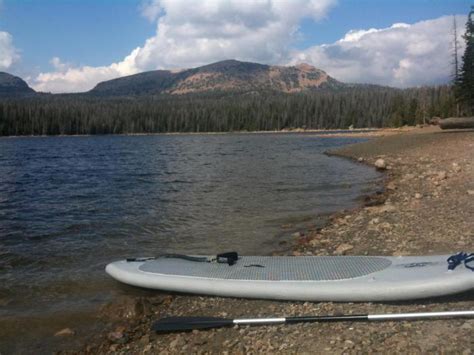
[305,278]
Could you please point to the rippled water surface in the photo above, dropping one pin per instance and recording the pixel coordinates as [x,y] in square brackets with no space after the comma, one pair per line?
[69,205]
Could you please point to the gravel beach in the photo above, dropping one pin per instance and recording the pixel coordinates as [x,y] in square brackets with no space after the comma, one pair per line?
[426,207]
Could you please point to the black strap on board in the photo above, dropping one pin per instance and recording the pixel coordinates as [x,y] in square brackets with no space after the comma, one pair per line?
[229,258]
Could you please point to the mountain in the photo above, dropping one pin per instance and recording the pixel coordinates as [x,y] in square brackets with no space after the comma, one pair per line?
[224,76]
[11,85]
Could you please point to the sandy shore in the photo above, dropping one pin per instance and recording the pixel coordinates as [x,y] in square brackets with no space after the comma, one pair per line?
[427,207]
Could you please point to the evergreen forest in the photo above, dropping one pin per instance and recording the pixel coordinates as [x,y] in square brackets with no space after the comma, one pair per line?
[358,106]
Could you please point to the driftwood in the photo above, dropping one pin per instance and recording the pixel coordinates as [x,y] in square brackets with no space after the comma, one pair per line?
[456,122]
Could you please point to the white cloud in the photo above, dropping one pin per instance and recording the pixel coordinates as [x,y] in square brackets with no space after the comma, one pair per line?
[151,9]
[192,33]
[8,54]
[402,55]
[67,78]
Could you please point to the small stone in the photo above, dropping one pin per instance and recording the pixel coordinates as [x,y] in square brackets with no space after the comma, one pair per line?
[118,335]
[374,200]
[113,347]
[375,221]
[314,242]
[177,342]
[442,175]
[343,248]
[391,186]
[64,332]
[418,196]
[380,164]
[387,208]
[127,307]
[147,348]
[296,235]
[456,168]
[360,160]
[386,225]
[144,340]
[470,192]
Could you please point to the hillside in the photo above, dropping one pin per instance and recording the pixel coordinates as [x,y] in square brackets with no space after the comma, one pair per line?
[221,97]
[225,76]
[11,85]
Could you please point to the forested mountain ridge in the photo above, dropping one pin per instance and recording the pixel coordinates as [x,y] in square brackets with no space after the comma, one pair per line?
[229,76]
[221,97]
[11,85]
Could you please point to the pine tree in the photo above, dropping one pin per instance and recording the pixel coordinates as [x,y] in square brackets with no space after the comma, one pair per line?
[455,51]
[465,85]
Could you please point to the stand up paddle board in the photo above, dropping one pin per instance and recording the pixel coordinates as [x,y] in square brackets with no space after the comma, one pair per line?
[305,278]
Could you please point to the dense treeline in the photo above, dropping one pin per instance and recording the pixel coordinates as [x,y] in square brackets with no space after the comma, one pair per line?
[359,106]
[464,76]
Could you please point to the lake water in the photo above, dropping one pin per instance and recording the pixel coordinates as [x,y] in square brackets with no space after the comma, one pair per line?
[70,205]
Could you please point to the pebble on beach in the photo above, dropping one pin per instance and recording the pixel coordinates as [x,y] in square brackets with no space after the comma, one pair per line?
[380,164]
[64,332]
[456,168]
[343,248]
[391,186]
[442,175]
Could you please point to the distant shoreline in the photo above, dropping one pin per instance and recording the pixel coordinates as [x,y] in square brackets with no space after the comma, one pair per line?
[366,132]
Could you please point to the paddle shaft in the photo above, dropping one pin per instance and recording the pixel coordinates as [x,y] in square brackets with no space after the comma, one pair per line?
[189,323]
[304,319]
[354,318]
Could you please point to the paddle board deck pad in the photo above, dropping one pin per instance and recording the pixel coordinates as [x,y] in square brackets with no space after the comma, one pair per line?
[305,278]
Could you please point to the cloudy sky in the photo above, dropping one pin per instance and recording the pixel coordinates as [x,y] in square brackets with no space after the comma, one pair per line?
[71,45]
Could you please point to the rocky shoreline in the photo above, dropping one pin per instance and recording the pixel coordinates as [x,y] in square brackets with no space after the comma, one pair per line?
[426,207]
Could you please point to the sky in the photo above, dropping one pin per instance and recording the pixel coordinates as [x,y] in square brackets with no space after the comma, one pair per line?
[71,45]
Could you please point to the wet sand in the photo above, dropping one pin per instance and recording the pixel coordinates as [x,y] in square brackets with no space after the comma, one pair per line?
[426,207]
